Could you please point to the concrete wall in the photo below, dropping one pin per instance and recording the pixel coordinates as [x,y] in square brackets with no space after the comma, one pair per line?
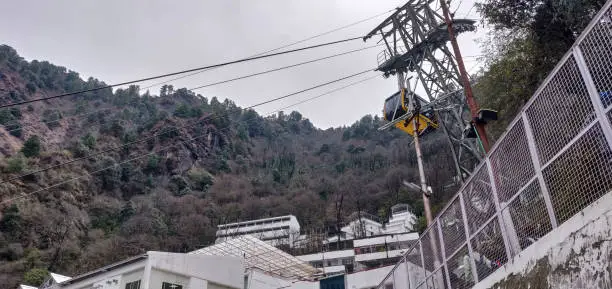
[225,271]
[578,254]
[131,277]
[367,279]
[103,278]
[261,280]
[159,276]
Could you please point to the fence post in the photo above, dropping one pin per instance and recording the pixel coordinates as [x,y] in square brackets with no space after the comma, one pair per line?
[467,238]
[407,270]
[533,152]
[443,249]
[422,262]
[592,89]
[502,226]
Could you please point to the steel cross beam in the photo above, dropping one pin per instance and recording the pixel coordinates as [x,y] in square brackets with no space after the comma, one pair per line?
[416,36]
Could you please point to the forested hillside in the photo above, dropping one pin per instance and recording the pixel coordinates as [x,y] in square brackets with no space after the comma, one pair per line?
[160,171]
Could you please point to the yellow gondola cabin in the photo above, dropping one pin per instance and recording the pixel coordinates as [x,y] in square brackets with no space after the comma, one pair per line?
[397,105]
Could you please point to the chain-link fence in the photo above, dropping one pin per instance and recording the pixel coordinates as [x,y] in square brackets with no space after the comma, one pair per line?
[554,160]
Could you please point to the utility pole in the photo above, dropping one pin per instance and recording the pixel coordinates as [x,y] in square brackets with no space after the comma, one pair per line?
[465,79]
[419,155]
[417,147]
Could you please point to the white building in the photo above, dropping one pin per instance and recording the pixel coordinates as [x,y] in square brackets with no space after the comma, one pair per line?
[365,225]
[367,253]
[277,231]
[160,270]
[402,220]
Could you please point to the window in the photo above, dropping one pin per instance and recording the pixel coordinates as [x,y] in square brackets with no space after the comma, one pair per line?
[347,261]
[133,285]
[166,285]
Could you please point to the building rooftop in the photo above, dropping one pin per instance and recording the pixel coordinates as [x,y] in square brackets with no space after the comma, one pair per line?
[59,278]
[258,254]
[252,222]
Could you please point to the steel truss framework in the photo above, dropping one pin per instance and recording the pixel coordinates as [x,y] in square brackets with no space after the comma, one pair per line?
[415,37]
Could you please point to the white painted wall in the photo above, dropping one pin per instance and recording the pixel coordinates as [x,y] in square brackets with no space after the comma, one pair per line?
[261,280]
[159,276]
[190,270]
[102,278]
[131,277]
[226,271]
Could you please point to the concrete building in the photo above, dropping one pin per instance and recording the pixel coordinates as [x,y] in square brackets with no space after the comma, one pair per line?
[160,270]
[367,243]
[402,220]
[363,225]
[365,254]
[277,231]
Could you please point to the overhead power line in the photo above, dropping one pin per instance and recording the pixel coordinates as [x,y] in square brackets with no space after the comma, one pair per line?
[181,72]
[283,46]
[327,93]
[282,68]
[177,128]
[78,116]
[173,145]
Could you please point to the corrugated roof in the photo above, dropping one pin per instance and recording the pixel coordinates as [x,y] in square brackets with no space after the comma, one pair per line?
[263,256]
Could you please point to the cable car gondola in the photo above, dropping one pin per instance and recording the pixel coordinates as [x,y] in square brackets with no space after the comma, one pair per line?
[397,105]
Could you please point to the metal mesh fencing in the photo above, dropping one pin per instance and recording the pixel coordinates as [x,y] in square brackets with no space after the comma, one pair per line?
[581,175]
[511,163]
[431,249]
[528,219]
[597,50]
[478,197]
[553,162]
[488,249]
[416,272]
[460,270]
[437,280]
[560,111]
[453,227]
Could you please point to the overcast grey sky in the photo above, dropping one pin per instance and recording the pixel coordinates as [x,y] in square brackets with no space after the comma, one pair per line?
[120,40]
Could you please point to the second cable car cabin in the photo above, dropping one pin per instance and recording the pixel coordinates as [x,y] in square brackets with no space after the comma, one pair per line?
[398,105]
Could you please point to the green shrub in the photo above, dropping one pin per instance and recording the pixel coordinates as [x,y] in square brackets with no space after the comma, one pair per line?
[200,179]
[16,164]
[152,164]
[31,147]
[89,141]
[179,186]
[35,277]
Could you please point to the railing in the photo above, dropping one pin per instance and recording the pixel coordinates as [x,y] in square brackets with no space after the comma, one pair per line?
[553,161]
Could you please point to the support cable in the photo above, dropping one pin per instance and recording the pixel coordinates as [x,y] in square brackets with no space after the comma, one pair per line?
[174,145]
[210,117]
[78,116]
[180,72]
[283,46]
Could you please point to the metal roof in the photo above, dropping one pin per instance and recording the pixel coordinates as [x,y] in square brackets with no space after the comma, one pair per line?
[59,278]
[263,256]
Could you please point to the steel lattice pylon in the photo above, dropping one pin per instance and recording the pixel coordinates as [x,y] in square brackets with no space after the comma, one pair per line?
[416,40]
